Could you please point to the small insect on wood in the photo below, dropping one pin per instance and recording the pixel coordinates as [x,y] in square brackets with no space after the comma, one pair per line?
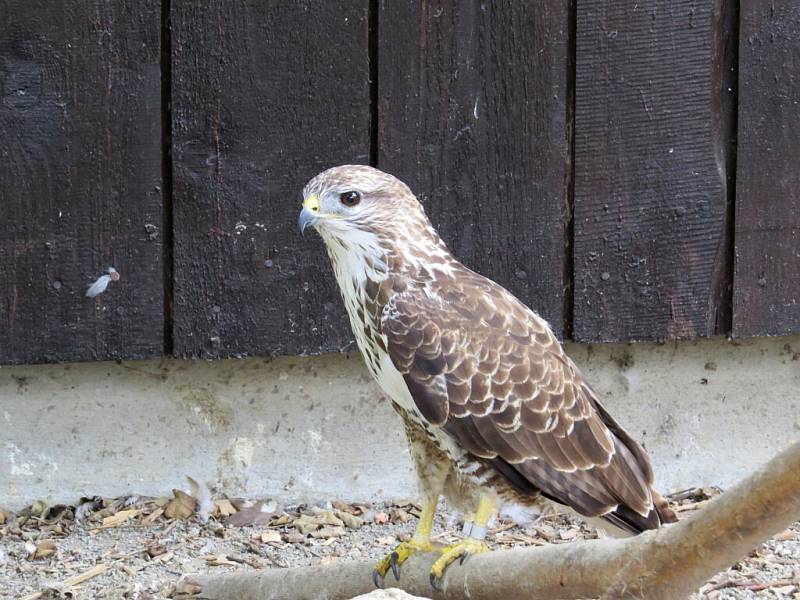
[100,285]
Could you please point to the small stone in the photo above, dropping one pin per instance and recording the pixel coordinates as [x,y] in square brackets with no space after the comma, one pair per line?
[295,538]
[605,275]
[399,516]
[568,534]
[380,518]
[156,548]
[56,285]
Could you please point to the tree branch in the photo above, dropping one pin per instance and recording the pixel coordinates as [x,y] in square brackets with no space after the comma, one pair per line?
[658,565]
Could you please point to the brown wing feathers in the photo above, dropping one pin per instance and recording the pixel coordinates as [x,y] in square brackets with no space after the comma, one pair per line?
[482,366]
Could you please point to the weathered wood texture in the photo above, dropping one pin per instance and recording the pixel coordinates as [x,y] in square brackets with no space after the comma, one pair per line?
[264,96]
[472,113]
[767,275]
[473,108]
[650,197]
[80,170]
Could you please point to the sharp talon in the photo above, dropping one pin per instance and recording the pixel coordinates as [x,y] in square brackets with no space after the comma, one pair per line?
[434,582]
[377,579]
[395,566]
[464,558]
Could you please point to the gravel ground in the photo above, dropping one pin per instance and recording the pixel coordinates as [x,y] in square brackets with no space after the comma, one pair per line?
[138,548]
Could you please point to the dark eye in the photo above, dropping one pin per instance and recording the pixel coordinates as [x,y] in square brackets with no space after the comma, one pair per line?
[350,198]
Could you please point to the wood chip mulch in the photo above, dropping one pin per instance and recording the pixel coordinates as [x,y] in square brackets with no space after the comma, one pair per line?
[137,548]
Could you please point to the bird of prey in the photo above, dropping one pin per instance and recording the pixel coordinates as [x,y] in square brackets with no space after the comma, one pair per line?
[494,410]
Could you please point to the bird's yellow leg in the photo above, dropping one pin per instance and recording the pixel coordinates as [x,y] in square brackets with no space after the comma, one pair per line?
[473,543]
[419,542]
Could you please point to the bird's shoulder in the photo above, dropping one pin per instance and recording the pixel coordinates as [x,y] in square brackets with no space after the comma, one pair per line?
[458,298]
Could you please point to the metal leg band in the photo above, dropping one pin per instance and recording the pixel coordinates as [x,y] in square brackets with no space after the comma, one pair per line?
[476,532]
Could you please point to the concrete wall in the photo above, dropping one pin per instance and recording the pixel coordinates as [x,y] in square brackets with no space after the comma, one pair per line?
[316,428]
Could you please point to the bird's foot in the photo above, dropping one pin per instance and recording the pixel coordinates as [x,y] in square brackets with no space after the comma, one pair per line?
[463,549]
[398,556]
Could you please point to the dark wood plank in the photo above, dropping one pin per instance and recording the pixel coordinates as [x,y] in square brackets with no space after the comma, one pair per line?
[265,95]
[651,241]
[767,279]
[473,103]
[80,176]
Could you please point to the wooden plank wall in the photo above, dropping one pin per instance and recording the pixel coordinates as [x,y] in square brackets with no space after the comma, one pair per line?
[584,154]
[651,205]
[457,124]
[80,177]
[767,291]
[264,96]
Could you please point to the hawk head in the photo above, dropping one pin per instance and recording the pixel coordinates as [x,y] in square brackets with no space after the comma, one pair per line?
[348,202]
[371,223]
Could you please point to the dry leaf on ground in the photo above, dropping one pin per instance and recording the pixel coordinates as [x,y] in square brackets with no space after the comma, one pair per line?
[182,506]
[224,508]
[350,520]
[328,532]
[259,513]
[309,524]
[41,549]
[219,560]
[119,518]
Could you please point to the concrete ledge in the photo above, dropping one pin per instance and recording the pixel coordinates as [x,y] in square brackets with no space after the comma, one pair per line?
[316,428]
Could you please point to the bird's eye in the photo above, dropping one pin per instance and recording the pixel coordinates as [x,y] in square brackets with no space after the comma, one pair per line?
[350,198]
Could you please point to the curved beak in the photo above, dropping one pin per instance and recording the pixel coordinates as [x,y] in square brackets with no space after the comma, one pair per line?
[310,213]
[306,218]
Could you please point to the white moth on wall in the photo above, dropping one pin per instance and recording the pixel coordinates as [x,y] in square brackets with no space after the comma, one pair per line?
[99,286]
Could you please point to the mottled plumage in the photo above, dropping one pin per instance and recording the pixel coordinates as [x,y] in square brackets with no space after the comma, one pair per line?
[489,399]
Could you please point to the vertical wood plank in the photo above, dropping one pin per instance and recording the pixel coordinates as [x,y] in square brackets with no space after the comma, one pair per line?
[767,277]
[651,242]
[265,95]
[80,170]
[473,103]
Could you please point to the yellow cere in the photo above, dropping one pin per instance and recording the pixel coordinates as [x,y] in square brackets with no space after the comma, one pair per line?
[312,203]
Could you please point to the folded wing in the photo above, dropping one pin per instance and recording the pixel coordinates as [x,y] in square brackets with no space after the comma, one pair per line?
[486,369]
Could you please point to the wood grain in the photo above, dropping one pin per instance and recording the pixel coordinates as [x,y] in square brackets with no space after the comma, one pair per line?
[80,176]
[767,276]
[473,106]
[650,172]
[265,95]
